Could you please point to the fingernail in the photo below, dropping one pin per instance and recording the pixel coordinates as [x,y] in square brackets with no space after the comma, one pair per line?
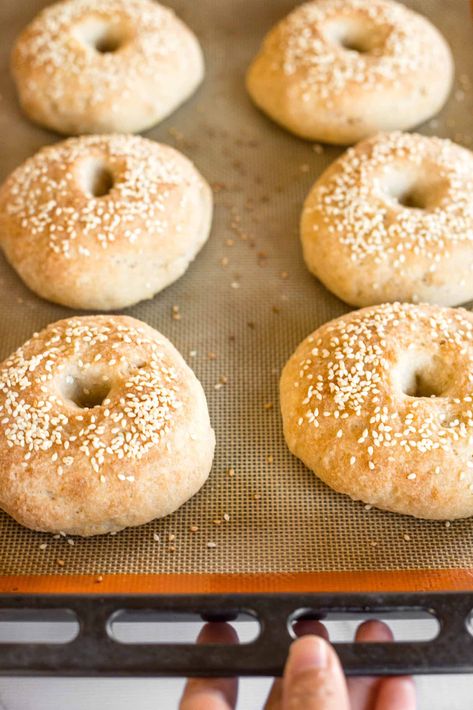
[308,653]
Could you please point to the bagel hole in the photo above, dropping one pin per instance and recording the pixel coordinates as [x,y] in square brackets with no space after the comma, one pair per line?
[355,44]
[406,190]
[423,386]
[85,393]
[422,375]
[102,36]
[96,178]
[108,43]
[352,35]
[414,199]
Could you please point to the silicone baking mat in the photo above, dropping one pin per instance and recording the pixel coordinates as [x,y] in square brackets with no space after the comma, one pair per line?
[236,316]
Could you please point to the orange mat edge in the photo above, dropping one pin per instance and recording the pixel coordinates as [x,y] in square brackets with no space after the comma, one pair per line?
[445,580]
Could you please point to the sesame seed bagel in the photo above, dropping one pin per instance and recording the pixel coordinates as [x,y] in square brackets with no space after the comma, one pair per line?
[102,222]
[102,426]
[340,70]
[103,66]
[392,220]
[379,404]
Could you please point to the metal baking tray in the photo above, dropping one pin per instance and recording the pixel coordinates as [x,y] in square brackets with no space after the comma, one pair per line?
[283,543]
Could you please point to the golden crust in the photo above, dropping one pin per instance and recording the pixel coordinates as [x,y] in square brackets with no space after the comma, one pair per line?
[104,66]
[102,222]
[392,220]
[102,426]
[340,70]
[379,404]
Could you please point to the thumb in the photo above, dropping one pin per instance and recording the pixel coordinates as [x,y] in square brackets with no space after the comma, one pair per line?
[313,677]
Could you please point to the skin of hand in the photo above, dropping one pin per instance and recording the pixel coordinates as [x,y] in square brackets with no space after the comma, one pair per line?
[313,677]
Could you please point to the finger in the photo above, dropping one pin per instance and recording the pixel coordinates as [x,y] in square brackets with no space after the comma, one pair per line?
[363,691]
[373,630]
[310,626]
[396,694]
[300,628]
[274,699]
[313,678]
[212,693]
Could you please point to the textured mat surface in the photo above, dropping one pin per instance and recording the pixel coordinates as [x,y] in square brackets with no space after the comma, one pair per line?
[245,304]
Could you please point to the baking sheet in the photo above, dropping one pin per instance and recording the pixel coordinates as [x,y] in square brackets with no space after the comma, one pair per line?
[245,304]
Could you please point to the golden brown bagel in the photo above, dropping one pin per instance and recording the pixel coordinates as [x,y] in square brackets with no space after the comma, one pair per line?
[104,66]
[392,220]
[379,404]
[340,70]
[102,426]
[102,222]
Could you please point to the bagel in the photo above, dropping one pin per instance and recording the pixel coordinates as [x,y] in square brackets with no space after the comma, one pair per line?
[102,222]
[392,220]
[102,426]
[379,404]
[340,70]
[104,66]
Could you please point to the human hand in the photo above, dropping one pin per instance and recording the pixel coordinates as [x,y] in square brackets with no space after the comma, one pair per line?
[313,677]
